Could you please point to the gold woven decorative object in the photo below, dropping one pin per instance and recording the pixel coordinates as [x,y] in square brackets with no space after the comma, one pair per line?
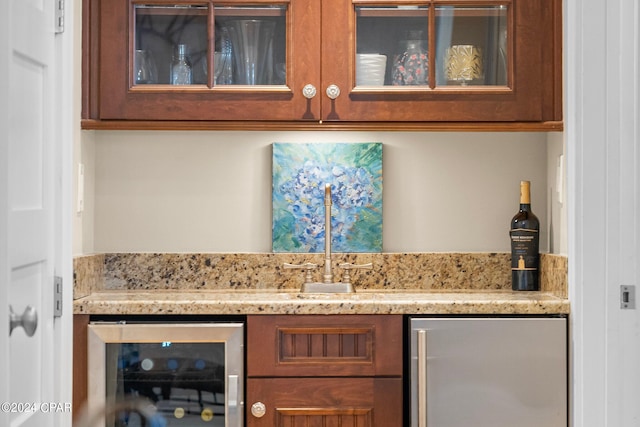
[463,63]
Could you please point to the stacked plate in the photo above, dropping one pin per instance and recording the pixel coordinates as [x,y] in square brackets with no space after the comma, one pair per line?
[370,69]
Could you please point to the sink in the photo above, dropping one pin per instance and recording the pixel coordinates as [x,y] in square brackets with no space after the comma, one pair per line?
[327,288]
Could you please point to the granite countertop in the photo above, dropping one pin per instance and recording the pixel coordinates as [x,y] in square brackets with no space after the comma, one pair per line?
[414,283]
[288,302]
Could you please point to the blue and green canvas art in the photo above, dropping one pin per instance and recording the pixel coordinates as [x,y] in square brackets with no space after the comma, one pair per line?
[300,173]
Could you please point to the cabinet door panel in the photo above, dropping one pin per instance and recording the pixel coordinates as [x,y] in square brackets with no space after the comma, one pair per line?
[349,345]
[522,91]
[120,97]
[293,402]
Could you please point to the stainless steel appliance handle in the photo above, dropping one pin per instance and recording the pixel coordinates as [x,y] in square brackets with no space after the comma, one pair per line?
[233,391]
[422,378]
[232,398]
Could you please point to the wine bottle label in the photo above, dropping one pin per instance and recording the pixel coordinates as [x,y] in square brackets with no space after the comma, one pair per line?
[524,249]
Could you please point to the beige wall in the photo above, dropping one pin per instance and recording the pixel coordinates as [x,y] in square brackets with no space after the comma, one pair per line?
[211,191]
[556,193]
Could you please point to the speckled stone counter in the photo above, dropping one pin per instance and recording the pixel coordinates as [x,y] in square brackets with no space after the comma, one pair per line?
[281,302]
[415,283]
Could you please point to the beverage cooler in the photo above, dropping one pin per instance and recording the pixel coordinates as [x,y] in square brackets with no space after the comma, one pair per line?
[183,374]
[488,372]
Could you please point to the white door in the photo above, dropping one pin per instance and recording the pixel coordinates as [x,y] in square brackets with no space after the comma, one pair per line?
[30,217]
[603,136]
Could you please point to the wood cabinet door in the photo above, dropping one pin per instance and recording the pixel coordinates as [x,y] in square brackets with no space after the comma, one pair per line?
[316,345]
[109,66]
[325,402]
[532,68]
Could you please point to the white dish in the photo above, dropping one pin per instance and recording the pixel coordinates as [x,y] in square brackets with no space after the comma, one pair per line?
[370,69]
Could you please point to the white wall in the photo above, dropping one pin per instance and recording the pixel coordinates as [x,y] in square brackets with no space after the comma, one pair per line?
[211,191]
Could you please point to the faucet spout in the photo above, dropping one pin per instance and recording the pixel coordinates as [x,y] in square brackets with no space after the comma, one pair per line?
[328,274]
[327,285]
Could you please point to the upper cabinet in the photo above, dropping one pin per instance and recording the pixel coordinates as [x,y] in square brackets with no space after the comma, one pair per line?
[322,63]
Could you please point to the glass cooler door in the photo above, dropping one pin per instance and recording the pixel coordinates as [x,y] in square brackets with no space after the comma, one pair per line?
[185,381]
[166,374]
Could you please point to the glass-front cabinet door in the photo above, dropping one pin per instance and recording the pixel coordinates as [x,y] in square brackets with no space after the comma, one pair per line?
[305,61]
[173,45]
[205,60]
[442,61]
[469,44]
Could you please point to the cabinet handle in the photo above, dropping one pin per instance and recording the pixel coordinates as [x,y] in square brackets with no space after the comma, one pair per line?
[422,378]
[309,91]
[258,409]
[333,91]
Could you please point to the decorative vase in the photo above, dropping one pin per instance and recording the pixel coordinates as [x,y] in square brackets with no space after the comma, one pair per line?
[411,63]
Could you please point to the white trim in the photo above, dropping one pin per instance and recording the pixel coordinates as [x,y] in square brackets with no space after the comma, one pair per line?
[4,202]
[602,144]
[66,123]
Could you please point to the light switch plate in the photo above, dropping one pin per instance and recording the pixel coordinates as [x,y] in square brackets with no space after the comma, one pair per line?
[560,178]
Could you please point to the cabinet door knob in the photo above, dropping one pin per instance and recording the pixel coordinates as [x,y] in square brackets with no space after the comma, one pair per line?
[309,91]
[333,91]
[258,409]
[28,320]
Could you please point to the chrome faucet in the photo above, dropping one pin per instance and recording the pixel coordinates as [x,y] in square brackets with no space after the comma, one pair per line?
[327,285]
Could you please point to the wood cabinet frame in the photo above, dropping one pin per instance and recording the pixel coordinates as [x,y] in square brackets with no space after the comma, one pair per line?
[325,370]
[534,102]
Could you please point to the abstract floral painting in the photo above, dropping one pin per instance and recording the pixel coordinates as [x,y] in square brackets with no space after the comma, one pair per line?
[300,173]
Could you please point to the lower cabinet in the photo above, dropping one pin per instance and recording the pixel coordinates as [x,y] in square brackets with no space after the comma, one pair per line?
[351,370]
[324,370]
[326,402]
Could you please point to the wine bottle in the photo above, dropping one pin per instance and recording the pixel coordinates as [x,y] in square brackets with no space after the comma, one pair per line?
[525,244]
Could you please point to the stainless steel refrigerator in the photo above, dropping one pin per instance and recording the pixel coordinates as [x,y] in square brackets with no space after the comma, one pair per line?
[488,372]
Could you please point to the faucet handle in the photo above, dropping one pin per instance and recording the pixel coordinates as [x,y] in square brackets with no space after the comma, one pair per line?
[346,277]
[308,266]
